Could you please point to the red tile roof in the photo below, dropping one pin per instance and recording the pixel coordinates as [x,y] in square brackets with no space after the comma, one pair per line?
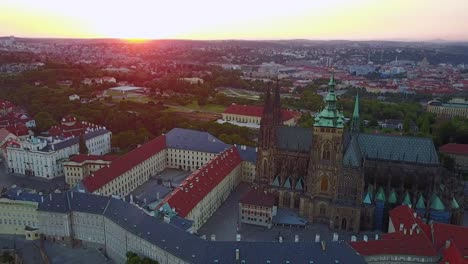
[396,244]
[257,197]
[257,111]
[455,233]
[428,242]
[84,157]
[201,182]
[452,255]
[124,163]
[451,148]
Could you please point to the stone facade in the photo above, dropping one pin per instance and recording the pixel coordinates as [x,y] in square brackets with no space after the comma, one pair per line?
[323,172]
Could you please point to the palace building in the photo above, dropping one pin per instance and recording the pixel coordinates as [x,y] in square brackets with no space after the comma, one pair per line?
[348,179]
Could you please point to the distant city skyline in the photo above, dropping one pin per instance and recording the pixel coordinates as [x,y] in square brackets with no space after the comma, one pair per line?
[212,20]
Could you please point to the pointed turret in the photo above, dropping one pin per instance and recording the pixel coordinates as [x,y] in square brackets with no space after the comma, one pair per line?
[277,117]
[392,198]
[355,122]
[437,204]
[267,127]
[330,116]
[420,204]
[380,196]
[407,199]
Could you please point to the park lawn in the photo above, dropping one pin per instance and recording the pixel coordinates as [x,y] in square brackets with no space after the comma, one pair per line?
[206,108]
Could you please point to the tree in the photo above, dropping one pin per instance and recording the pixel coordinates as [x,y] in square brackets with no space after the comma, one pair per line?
[44,121]
[82,145]
[406,125]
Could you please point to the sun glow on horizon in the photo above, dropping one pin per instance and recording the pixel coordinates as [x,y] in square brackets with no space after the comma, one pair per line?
[139,20]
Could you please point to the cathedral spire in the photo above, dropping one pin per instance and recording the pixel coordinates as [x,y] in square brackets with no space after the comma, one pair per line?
[277,115]
[355,120]
[330,115]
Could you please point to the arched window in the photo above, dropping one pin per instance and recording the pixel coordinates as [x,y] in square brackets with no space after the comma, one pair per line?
[324,184]
[323,209]
[326,152]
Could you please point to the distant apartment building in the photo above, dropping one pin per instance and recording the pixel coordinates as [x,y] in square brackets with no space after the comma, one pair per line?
[257,208]
[459,152]
[455,107]
[44,156]
[81,166]
[253,115]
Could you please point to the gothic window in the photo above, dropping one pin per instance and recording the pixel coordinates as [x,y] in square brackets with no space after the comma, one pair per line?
[323,210]
[324,184]
[326,152]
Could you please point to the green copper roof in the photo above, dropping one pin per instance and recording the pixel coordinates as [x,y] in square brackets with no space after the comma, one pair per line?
[300,184]
[420,203]
[367,198]
[355,119]
[276,182]
[433,196]
[437,204]
[330,116]
[288,184]
[380,196]
[406,199]
[392,198]
[398,148]
[167,210]
[454,204]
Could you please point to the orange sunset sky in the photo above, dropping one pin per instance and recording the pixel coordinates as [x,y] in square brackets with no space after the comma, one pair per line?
[240,19]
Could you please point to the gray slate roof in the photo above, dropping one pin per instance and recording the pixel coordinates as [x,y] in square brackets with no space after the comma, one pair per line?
[248,154]
[75,140]
[192,248]
[398,148]
[294,139]
[187,139]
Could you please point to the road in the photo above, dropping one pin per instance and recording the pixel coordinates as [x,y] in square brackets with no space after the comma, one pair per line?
[36,183]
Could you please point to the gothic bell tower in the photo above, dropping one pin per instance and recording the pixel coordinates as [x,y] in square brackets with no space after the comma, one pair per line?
[271,119]
[325,159]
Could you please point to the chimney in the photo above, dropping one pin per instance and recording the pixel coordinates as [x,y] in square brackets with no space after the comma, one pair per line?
[50,196]
[203,237]
[401,227]
[365,238]
[404,231]
[238,237]
[71,194]
[157,196]
[324,245]
[415,215]
[256,149]
[353,238]
[418,230]
[237,254]
[447,243]
[144,200]
[317,238]
[296,238]
[280,239]
[213,237]
[376,236]
[335,237]
[131,198]
[411,232]
[42,199]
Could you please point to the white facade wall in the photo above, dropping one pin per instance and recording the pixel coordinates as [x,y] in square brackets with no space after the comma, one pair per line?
[248,171]
[187,159]
[15,215]
[88,227]
[49,165]
[213,200]
[55,225]
[130,180]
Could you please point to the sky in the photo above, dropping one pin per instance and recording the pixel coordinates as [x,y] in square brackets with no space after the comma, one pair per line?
[239,19]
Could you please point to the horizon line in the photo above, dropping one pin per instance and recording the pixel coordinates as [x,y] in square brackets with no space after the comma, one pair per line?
[243,39]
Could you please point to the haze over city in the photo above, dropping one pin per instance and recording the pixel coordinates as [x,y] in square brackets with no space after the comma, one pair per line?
[208,19]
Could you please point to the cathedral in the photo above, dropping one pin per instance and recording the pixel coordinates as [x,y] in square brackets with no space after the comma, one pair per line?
[348,179]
